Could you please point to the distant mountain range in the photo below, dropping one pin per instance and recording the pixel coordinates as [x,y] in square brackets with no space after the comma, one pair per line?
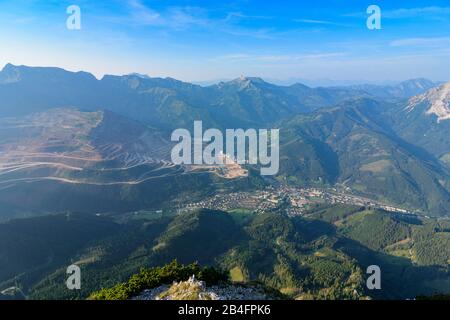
[403,90]
[386,142]
[169,103]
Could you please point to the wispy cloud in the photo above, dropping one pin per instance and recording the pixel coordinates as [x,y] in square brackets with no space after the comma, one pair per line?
[172,17]
[188,16]
[239,15]
[416,12]
[403,13]
[142,14]
[278,58]
[233,56]
[25,20]
[312,21]
[436,41]
[182,18]
[322,23]
[262,33]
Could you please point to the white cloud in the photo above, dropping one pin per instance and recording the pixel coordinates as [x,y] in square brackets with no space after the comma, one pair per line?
[312,21]
[416,12]
[278,58]
[141,14]
[180,18]
[233,56]
[402,13]
[239,15]
[172,17]
[435,42]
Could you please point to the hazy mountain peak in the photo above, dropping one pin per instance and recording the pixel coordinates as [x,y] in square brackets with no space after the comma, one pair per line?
[421,83]
[9,74]
[8,66]
[246,83]
[12,74]
[299,85]
[244,79]
[437,101]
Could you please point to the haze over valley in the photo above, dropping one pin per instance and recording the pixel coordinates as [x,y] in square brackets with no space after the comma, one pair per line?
[364,178]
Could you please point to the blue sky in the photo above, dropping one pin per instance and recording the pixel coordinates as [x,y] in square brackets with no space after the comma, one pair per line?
[206,40]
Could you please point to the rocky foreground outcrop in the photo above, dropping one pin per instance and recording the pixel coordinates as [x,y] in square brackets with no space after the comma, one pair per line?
[193,289]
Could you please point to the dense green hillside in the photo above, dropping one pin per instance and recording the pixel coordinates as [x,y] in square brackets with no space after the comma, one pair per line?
[32,247]
[348,145]
[323,255]
[413,253]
